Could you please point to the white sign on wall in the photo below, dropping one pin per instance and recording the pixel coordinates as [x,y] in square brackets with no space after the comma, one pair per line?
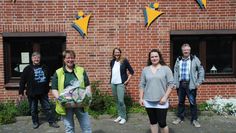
[25,57]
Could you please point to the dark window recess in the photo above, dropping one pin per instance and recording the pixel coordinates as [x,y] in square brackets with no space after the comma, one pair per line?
[216,52]
[219,55]
[50,48]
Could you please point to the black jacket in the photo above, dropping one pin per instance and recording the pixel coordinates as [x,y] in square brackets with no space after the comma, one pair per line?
[123,69]
[36,78]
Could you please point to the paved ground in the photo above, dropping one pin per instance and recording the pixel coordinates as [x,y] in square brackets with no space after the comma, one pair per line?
[137,123]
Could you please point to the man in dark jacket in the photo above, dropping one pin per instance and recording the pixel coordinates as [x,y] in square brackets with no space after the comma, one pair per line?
[36,77]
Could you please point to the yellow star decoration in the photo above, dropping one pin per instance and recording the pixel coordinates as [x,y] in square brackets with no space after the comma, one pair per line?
[202,3]
[81,23]
[151,13]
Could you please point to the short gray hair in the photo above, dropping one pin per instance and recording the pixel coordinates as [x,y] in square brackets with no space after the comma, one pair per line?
[36,54]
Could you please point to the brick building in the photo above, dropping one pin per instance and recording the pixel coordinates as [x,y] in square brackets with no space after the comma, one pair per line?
[45,25]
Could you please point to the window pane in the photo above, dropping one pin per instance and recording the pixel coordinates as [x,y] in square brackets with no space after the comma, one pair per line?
[51,50]
[216,52]
[219,54]
[16,47]
[49,47]
[178,41]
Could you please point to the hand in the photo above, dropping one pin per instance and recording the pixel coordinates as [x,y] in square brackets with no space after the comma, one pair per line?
[21,97]
[197,86]
[174,87]
[163,100]
[141,102]
[88,90]
[126,82]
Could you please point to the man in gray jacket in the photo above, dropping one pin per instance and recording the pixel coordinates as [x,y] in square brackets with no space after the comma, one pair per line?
[188,75]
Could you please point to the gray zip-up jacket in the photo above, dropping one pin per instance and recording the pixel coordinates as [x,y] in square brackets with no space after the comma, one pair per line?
[197,72]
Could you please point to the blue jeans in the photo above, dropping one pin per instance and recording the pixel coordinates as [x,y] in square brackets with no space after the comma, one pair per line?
[118,91]
[184,91]
[33,104]
[82,117]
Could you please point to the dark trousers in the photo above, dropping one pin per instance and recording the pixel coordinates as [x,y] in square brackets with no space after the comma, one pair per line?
[182,92]
[33,104]
[157,115]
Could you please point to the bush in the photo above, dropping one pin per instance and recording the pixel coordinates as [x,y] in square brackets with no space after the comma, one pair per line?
[97,103]
[105,104]
[23,108]
[203,106]
[110,105]
[222,106]
[53,108]
[8,112]
[136,108]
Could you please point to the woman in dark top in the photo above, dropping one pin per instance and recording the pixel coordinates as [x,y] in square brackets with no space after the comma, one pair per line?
[119,79]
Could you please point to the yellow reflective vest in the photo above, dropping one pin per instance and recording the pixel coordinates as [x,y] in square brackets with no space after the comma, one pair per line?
[61,79]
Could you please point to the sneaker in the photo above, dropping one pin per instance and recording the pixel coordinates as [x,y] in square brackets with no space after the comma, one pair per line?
[177,121]
[196,123]
[53,124]
[117,119]
[122,121]
[35,125]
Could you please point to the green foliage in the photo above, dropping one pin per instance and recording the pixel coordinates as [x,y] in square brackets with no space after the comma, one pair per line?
[8,112]
[222,106]
[230,109]
[110,105]
[105,104]
[136,108]
[23,108]
[53,107]
[203,106]
[128,101]
[97,105]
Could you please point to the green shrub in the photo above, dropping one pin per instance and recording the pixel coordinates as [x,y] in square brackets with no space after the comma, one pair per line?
[110,105]
[222,106]
[23,108]
[203,106]
[8,112]
[97,103]
[97,106]
[53,108]
[128,101]
[105,104]
[136,108]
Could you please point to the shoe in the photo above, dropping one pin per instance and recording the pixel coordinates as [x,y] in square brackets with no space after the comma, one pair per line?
[177,121]
[117,119]
[122,121]
[35,125]
[53,124]
[196,123]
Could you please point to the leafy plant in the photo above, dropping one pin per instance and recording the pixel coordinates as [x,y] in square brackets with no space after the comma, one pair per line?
[23,108]
[136,108]
[8,112]
[97,103]
[53,107]
[222,106]
[203,106]
[106,104]
[110,105]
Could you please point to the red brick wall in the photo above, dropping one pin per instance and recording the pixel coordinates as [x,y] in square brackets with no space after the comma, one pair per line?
[117,24]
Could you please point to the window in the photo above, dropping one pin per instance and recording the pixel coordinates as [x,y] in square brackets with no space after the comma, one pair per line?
[219,55]
[216,52]
[18,50]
